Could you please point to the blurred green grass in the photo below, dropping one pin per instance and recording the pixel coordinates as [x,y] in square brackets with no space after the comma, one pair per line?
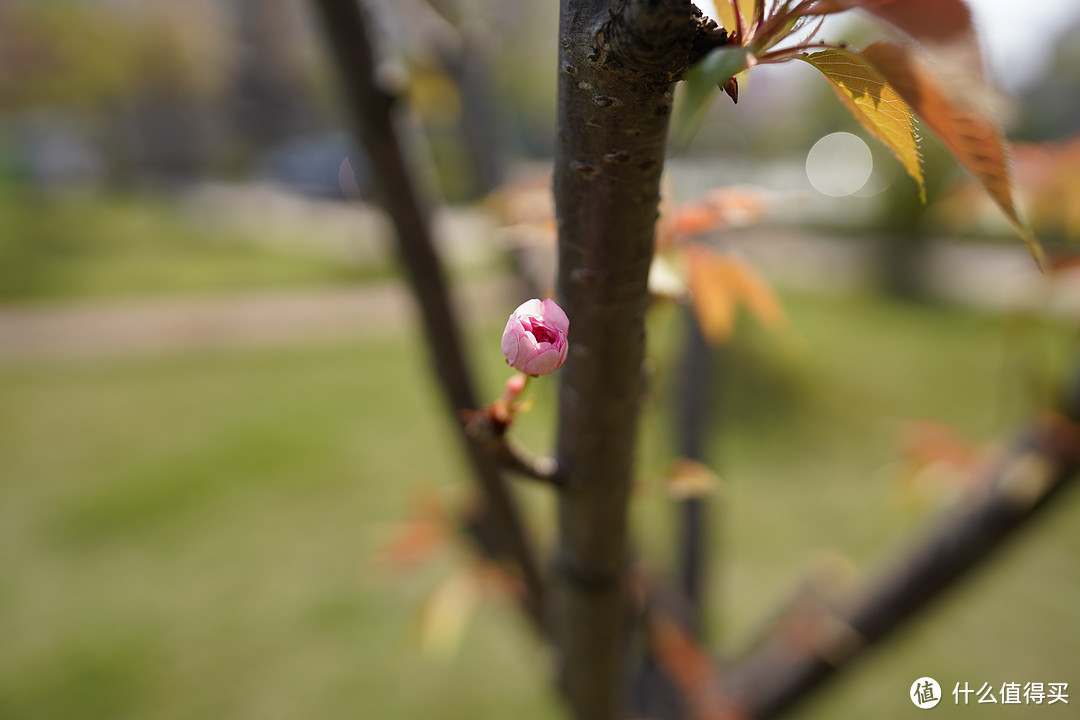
[95,246]
[193,535]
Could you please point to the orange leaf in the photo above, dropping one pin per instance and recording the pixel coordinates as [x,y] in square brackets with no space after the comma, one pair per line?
[690,668]
[426,531]
[737,206]
[716,209]
[938,463]
[690,479]
[718,283]
[414,543]
[931,442]
[926,20]
[711,295]
[942,27]
[690,220]
[756,294]
[971,136]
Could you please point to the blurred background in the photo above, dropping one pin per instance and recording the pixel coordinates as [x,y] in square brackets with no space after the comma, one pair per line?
[225,482]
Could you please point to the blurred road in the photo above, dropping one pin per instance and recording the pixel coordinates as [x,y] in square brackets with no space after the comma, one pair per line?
[998,278]
[254,319]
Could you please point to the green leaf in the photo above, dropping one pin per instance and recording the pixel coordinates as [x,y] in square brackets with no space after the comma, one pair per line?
[875,104]
[699,88]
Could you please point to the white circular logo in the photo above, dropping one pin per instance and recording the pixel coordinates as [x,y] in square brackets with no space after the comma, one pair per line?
[925,693]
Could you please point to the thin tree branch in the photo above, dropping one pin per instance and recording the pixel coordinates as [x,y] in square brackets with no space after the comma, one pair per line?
[517,459]
[617,63]
[792,665]
[371,107]
[490,433]
[673,615]
[694,384]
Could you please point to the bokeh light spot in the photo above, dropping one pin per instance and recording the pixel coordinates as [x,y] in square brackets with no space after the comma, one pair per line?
[839,164]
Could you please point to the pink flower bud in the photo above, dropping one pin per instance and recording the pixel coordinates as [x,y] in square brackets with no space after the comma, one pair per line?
[534,340]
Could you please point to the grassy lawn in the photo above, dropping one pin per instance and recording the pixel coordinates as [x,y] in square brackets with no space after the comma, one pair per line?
[102,246]
[193,536]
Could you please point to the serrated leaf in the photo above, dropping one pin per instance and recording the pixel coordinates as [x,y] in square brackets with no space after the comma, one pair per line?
[943,27]
[874,104]
[970,135]
[700,87]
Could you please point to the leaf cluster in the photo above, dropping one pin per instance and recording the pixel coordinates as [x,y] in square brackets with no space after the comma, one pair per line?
[935,76]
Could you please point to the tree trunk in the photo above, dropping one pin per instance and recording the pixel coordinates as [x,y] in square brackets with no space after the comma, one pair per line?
[616,68]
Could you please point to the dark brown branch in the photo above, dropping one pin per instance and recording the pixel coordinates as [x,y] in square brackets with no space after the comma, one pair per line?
[657,687]
[371,107]
[489,431]
[617,63]
[658,37]
[694,385]
[791,665]
[516,459]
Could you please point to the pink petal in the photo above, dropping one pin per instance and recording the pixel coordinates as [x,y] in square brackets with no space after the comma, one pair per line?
[530,308]
[526,350]
[555,317]
[542,364]
[509,342]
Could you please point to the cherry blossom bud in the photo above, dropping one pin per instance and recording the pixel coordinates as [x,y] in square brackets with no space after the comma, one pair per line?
[534,340]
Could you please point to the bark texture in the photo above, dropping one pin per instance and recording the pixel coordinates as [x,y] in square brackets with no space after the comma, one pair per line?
[617,64]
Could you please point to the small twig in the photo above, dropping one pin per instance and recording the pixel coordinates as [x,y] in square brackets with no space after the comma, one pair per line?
[518,460]
[490,433]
